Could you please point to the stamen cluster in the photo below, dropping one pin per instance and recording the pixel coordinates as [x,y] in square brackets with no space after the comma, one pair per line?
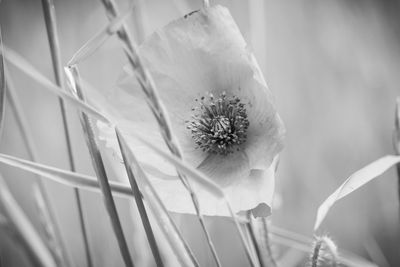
[219,125]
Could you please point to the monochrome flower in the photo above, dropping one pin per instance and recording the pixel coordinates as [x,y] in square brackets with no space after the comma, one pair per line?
[219,106]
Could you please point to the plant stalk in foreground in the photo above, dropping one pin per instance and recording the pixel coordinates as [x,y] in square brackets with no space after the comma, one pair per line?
[51,27]
[99,168]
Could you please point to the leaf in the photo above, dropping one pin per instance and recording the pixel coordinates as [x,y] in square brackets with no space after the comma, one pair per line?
[355,181]
[28,69]
[72,179]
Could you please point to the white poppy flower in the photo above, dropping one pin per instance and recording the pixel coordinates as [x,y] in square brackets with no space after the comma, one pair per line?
[220,108]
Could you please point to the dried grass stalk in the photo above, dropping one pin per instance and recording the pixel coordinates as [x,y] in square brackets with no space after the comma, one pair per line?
[167,225]
[51,27]
[26,133]
[148,86]
[101,173]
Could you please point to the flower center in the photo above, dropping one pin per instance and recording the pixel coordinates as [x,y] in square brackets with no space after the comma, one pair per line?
[219,125]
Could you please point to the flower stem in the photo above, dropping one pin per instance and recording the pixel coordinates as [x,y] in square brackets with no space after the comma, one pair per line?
[158,110]
[267,244]
[51,27]
[251,228]
[258,229]
[241,235]
[100,170]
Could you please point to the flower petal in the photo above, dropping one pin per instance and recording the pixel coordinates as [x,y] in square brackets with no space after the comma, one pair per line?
[226,170]
[255,193]
[206,52]
[201,53]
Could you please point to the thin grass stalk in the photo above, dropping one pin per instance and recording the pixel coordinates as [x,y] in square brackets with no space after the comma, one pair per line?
[266,242]
[396,143]
[147,84]
[2,86]
[27,68]
[95,42]
[251,228]
[31,149]
[138,197]
[141,207]
[67,178]
[138,31]
[19,242]
[51,26]
[207,184]
[47,229]
[258,229]
[26,231]
[100,170]
[85,182]
[161,214]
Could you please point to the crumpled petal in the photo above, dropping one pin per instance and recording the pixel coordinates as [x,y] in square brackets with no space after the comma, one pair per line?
[203,52]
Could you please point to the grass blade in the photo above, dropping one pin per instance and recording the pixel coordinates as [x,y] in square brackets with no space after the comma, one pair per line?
[2,86]
[25,229]
[90,183]
[85,182]
[47,226]
[140,205]
[203,181]
[100,170]
[51,26]
[28,69]
[396,142]
[258,230]
[355,181]
[178,244]
[94,43]
[67,178]
[25,131]
[148,87]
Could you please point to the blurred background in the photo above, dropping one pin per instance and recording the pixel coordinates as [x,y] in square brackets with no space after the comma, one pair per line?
[333,67]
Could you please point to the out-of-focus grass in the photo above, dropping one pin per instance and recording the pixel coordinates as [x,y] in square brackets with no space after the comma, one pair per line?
[333,67]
